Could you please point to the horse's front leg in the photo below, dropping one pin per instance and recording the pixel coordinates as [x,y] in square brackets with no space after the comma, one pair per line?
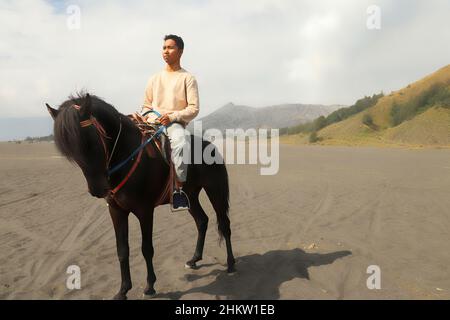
[146,222]
[120,222]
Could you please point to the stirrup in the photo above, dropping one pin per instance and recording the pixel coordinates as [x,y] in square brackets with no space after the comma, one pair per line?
[180,201]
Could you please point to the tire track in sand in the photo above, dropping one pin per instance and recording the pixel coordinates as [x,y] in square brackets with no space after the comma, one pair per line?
[80,228]
[50,270]
[322,207]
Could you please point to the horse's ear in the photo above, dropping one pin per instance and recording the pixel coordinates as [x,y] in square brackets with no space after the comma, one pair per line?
[86,107]
[53,112]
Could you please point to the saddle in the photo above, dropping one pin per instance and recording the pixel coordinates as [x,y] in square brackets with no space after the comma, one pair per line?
[160,144]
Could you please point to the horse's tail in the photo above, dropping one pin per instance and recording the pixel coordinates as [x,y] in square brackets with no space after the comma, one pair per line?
[219,194]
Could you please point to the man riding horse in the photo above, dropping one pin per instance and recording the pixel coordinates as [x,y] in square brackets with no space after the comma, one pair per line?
[109,149]
[172,97]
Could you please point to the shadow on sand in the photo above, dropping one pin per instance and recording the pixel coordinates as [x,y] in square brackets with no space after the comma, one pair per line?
[259,276]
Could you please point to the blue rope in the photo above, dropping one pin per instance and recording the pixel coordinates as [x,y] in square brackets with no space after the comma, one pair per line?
[154,111]
[142,146]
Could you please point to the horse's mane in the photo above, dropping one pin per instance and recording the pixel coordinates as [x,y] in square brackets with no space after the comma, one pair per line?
[67,130]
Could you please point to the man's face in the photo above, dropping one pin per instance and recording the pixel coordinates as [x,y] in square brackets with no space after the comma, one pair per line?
[171,53]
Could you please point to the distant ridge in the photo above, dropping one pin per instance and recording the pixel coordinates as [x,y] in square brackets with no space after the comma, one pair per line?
[232,116]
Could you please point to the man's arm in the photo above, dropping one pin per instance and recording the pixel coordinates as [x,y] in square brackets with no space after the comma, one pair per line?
[192,108]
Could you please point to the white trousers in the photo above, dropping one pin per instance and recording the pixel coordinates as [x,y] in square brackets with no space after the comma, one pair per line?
[179,142]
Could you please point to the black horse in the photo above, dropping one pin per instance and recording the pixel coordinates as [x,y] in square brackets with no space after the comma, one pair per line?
[94,135]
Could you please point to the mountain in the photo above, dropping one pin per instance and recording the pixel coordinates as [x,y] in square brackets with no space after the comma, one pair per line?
[232,116]
[418,114]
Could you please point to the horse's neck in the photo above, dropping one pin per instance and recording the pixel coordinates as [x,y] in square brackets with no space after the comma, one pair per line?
[129,140]
[130,136]
[122,134]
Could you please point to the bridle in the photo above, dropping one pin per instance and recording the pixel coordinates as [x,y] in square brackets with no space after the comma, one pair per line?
[102,134]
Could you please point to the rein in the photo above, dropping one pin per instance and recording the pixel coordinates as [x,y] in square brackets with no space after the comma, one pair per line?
[142,146]
[139,149]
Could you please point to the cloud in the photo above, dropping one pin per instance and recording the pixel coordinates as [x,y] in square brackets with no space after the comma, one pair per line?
[249,52]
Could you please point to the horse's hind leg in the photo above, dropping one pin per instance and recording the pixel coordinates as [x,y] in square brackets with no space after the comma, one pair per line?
[220,204]
[120,221]
[201,220]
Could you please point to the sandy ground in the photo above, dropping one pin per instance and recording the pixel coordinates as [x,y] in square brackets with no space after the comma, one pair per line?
[309,232]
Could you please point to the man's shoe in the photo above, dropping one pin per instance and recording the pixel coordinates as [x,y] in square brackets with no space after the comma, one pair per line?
[180,201]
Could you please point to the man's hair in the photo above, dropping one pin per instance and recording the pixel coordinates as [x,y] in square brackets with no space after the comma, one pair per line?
[177,39]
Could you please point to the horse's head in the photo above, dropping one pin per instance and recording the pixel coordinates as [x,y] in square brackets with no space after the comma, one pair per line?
[82,139]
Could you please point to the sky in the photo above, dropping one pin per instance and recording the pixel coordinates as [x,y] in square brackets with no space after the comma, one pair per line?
[249,52]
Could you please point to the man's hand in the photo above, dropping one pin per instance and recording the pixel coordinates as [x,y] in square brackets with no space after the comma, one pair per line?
[164,120]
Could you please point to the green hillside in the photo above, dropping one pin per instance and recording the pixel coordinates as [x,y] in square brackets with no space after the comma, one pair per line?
[418,115]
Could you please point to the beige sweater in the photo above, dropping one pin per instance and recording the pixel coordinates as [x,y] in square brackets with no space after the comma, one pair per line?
[174,93]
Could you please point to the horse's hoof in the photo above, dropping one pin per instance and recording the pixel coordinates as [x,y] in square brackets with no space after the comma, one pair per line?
[149,292]
[149,295]
[120,296]
[231,270]
[191,265]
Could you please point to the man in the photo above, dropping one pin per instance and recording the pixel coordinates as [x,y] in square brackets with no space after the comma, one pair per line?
[173,93]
